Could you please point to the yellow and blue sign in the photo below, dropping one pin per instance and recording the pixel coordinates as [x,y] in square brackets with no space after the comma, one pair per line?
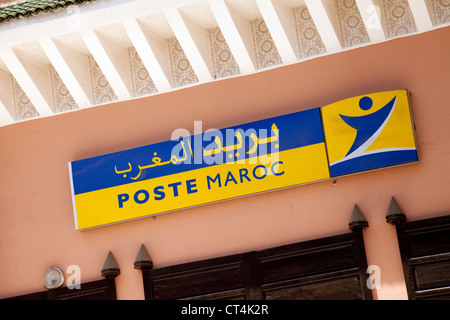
[190,171]
[353,135]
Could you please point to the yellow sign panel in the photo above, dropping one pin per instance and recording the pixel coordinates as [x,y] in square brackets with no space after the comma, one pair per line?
[205,185]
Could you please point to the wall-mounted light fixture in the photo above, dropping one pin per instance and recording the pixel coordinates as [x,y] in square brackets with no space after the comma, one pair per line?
[53,278]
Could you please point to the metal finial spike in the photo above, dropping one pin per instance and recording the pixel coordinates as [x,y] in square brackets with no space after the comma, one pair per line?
[357,220]
[143,259]
[395,214]
[110,268]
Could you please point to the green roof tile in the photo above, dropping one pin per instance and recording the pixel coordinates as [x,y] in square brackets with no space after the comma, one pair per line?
[27,8]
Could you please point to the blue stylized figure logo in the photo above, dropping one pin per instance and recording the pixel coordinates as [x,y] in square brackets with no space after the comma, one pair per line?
[367,126]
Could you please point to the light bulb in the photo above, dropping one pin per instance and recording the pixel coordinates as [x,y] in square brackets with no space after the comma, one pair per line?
[53,278]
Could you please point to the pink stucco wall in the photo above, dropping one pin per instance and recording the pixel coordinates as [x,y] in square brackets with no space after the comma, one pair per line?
[37,226]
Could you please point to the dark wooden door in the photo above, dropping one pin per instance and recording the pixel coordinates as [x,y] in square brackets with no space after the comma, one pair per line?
[328,268]
[425,250]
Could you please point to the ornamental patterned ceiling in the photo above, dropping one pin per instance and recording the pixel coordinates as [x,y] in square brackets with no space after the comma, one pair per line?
[104,51]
